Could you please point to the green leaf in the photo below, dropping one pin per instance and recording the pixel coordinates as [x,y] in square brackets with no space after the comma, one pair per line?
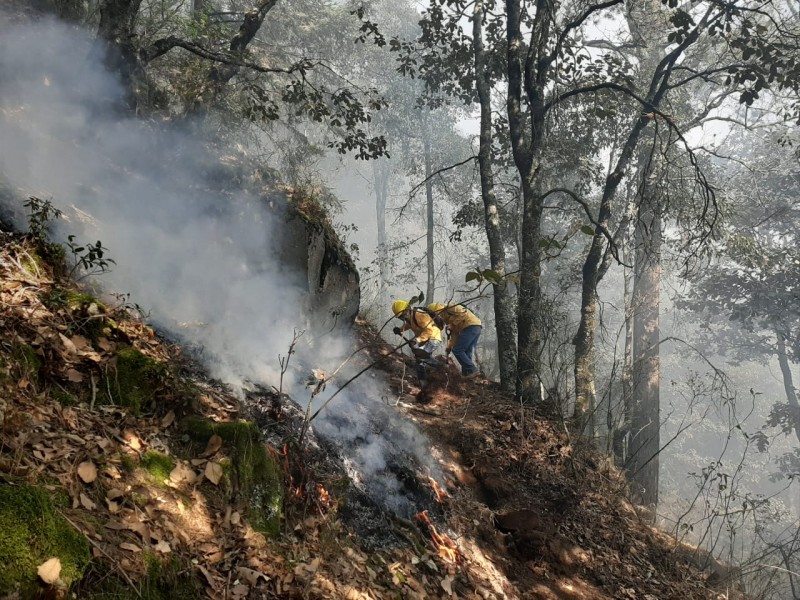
[588,230]
[492,276]
[472,276]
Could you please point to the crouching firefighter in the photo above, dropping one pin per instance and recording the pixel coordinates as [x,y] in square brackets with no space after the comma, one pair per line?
[427,336]
[465,330]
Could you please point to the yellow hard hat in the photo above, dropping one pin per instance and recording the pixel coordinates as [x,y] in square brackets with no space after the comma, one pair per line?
[399,306]
[436,307]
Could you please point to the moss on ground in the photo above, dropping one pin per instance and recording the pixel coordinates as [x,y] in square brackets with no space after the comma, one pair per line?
[90,322]
[253,473]
[166,579]
[135,381]
[64,398]
[158,465]
[31,532]
[28,362]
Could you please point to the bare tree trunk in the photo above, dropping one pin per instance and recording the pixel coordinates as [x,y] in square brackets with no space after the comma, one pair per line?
[788,382]
[526,150]
[594,268]
[381,173]
[503,300]
[620,427]
[645,432]
[120,52]
[426,143]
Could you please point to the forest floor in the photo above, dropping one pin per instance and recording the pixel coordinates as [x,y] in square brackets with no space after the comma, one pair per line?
[134,504]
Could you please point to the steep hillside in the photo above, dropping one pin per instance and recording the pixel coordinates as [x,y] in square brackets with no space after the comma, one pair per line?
[126,473]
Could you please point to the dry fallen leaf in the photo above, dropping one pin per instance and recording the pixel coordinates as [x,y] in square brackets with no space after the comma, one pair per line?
[49,571]
[182,472]
[168,419]
[133,440]
[131,547]
[447,584]
[312,568]
[163,547]
[214,472]
[69,346]
[74,376]
[250,575]
[114,493]
[214,444]
[240,591]
[87,471]
[87,502]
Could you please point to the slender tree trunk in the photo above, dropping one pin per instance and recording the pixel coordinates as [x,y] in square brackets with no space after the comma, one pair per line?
[593,271]
[503,300]
[621,426]
[788,382]
[426,142]
[645,433]
[381,173]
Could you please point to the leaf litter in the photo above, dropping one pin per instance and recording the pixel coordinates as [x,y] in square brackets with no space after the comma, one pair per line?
[93,453]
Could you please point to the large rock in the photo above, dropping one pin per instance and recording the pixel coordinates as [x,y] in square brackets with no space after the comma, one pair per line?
[310,244]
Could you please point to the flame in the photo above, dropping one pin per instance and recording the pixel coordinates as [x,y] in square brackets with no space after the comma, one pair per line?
[445,546]
[441,493]
[323,495]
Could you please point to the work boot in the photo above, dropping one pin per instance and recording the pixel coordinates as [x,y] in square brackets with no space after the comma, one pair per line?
[472,375]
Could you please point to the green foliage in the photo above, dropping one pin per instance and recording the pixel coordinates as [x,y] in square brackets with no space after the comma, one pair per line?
[135,381]
[31,532]
[41,214]
[158,465]
[489,276]
[89,257]
[254,475]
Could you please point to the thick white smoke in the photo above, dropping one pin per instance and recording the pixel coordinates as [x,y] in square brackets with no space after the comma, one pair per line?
[186,251]
[187,247]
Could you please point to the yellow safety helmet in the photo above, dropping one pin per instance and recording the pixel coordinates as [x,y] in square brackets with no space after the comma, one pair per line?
[399,306]
[435,307]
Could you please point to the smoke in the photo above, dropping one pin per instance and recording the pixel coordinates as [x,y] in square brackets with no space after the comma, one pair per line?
[187,251]
[198,252]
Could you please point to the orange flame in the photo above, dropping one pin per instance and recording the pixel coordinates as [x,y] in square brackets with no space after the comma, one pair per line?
[323,495]
[445,546]
[441,493]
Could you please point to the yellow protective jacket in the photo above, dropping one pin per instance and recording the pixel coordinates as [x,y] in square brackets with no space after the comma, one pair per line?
[422,325]
[458,318]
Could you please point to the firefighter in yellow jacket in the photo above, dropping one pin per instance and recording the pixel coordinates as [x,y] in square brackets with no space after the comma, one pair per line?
[427,336]
[465,330]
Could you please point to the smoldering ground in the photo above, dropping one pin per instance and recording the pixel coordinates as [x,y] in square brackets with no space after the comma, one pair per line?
[190,246]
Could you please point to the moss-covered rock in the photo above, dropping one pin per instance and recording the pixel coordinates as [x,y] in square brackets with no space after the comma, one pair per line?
[31,532]
[158,465]
[134,382]
[254,475]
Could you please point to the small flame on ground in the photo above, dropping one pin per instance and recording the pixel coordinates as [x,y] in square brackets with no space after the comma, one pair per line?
[445,546]
[441,493]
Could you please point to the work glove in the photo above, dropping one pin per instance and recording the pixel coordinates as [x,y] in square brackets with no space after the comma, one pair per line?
[412,342]
[397,331]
